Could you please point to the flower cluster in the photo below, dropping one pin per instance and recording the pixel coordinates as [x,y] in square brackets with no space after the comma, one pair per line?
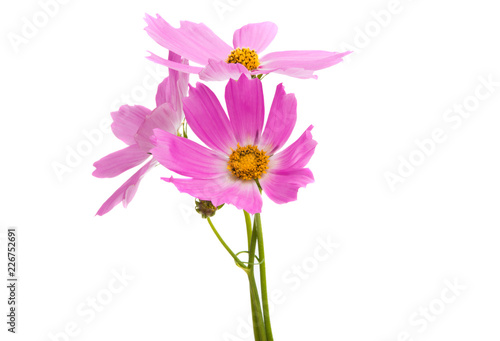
[241,158]
[242,154]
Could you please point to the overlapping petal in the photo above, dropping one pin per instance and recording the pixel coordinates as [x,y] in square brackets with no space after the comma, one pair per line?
[255,36]
[195,42]
[173,65]
[222,190]
[291,72]
[126,192]
[307,59]
[187,157]
[245,107]
[127,120]
[118,162]
[220,71]
[173,88]
[207,119]
[163,118]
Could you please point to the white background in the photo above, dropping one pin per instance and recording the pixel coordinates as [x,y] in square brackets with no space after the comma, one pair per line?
[396,249]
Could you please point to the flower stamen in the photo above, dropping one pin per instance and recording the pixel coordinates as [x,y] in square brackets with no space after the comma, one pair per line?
[244,56]
[248,163]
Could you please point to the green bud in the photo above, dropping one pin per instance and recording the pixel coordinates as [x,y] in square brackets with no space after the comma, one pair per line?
[206,208]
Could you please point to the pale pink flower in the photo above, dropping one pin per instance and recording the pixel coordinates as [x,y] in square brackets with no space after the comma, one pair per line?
[220,61]
[134,125]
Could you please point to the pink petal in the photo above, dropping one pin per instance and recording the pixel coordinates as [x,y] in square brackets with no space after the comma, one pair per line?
[291,72]
[225,189]
[174,65]
[221,71]
[165,118]
[255,36]
[127,120]
[177,81]
[118,162]
[163,93]
[207,119]
[169,113]
[126,191]
[297,155]
[245,107]
[291,62]
[187,157]
[195,42]
[282,187]
[281,120]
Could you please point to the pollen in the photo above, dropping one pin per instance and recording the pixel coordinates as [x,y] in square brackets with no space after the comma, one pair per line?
[244,56]
[248,163]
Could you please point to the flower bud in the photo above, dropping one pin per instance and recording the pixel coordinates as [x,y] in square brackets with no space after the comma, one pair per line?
[206,208]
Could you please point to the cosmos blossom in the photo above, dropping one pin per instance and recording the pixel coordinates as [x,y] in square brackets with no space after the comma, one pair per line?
[239,149]
[134,125]
[220,61]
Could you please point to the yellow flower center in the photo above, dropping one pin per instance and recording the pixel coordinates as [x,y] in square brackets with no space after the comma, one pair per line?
[248,163]
[244,56]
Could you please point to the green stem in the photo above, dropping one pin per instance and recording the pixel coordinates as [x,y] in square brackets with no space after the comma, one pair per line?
[257,318]
[248,222]
[236,259]
[263,284]
[259,327]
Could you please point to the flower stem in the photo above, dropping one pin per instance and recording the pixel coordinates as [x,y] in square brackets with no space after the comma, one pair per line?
[263,283]
[248,222]
[257,318]
[259,327]
[236,259]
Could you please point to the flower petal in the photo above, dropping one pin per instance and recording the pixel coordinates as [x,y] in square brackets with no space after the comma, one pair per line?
[174,65]
[118,162]
[222,190]
[291,72]
[282,187]
[255,36]
[281,120]
[126,191]
[207,119]
[295,156]
[221,71]
[195,42]
[165,118]
[163,93]
[187,157]
[127,120]
[291,62]
[173,88]
[245,107]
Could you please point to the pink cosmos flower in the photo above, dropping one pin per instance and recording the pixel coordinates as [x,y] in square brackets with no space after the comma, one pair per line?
[239,149]
[220,61]
[134,125]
